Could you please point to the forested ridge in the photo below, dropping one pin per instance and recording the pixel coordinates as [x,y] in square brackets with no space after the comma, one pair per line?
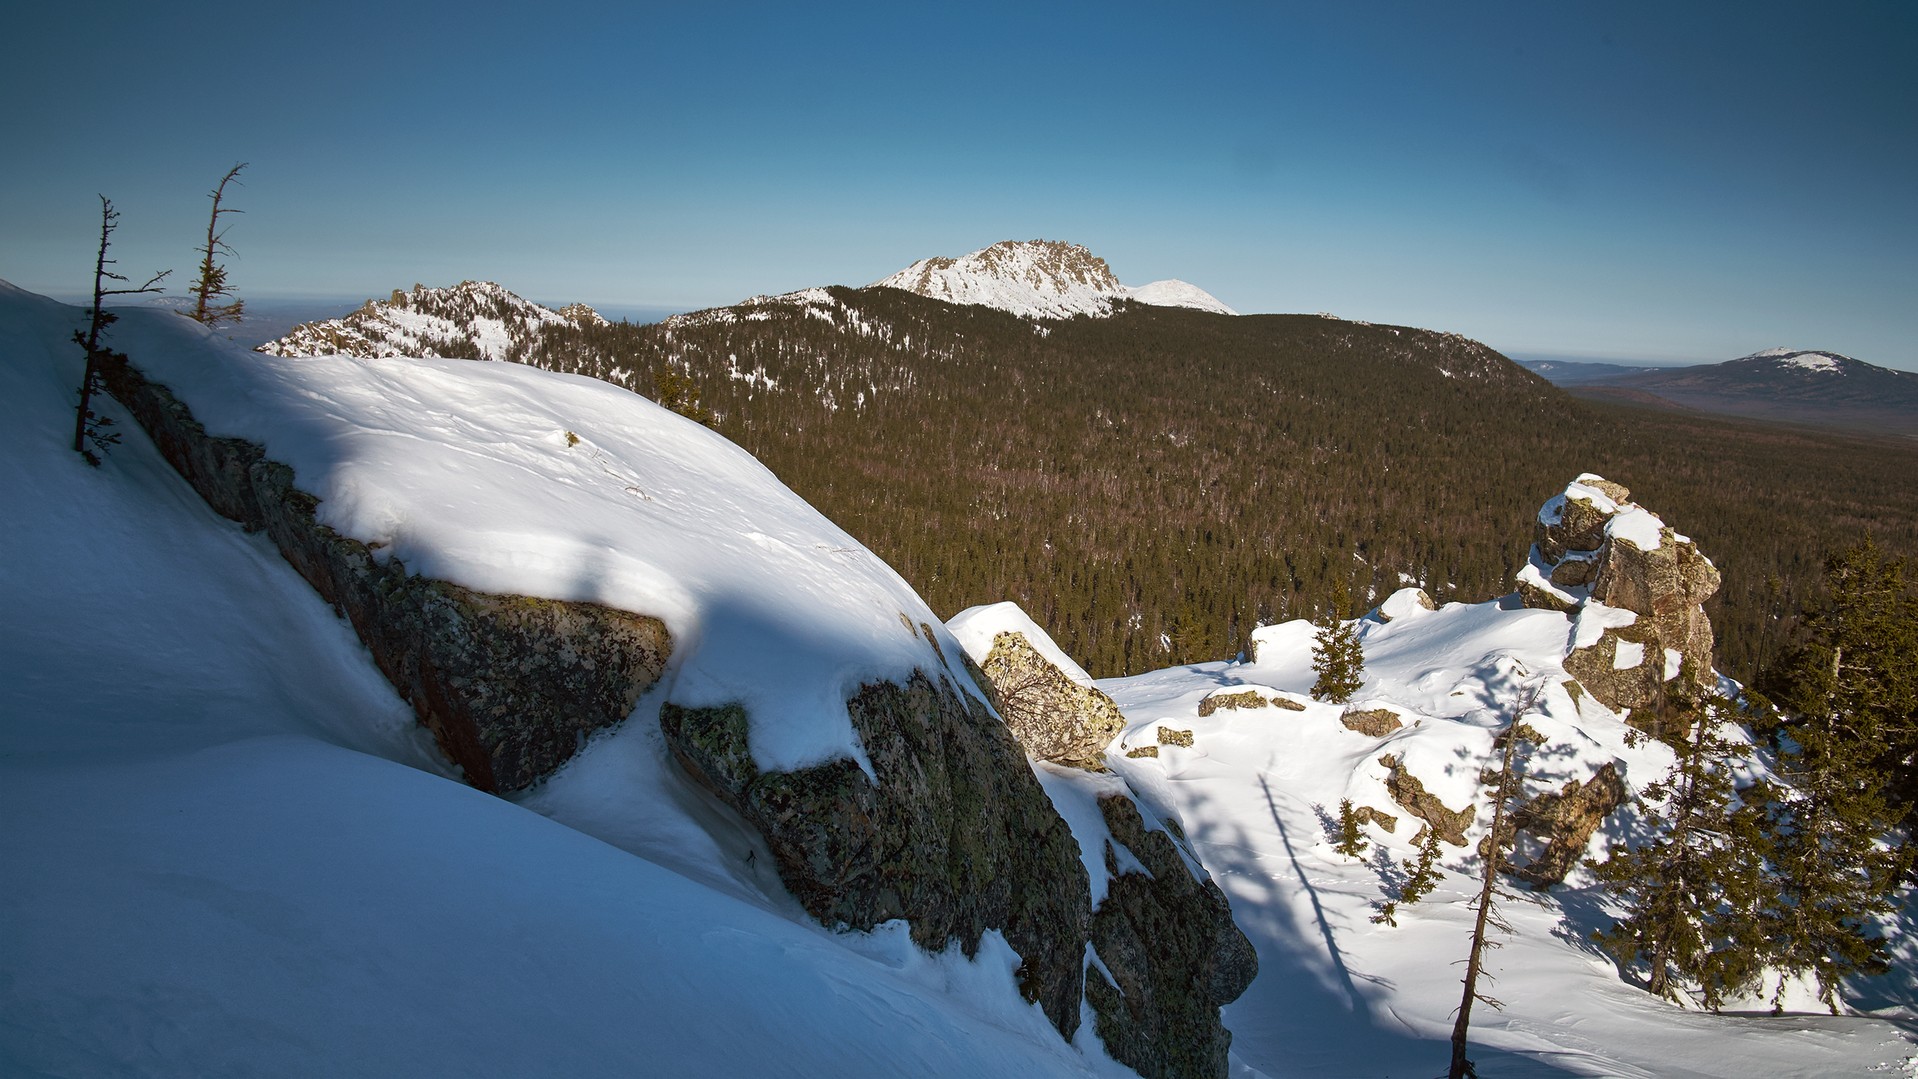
[1152,486]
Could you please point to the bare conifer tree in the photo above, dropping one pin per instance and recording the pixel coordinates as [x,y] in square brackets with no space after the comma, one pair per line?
[1505,786]
[89,426]
[211,292]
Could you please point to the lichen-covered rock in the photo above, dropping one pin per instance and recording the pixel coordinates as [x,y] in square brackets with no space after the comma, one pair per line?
[956,837]
[1593,545]
[1245,698]
[509,685]
[1409,791]
[1371,722]
[1142,751]
[1369,815]
[1173,954]
[1565,820]
[1054,717]
[1171,736]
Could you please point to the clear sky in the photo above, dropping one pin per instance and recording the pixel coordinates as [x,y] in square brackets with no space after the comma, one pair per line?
[1642,181]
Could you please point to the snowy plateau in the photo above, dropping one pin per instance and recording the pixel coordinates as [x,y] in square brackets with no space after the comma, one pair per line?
[231,850]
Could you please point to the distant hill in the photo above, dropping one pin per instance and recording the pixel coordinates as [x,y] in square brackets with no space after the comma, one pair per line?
[1576,372]
[1153,483]
[473,320]
[1785,385]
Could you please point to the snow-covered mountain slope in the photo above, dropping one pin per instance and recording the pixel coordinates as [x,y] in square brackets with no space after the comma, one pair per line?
[1039,279]
[475,320]
[231,851]
[1339,995]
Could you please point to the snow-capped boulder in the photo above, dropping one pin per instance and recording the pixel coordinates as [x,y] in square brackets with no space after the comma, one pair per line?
[1371,722]
[1047,700]
[510,685]
[1635,587]
[1405,603]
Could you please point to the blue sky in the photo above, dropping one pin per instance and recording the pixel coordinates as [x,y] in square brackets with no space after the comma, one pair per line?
[1664,182]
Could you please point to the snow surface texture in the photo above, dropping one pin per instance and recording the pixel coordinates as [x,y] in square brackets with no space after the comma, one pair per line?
[509,479]
[1337,995]
[1040,279]
[230,850]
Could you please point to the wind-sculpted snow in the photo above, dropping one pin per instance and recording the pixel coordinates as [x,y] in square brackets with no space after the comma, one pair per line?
[508,479]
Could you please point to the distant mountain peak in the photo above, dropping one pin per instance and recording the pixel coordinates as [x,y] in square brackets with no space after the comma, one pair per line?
[1829,363]
[1040,279]
[476,320]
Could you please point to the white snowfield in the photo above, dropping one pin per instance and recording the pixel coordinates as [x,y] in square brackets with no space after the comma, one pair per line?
[1824,363]
[1338,995]
[229,848]
[1040,279]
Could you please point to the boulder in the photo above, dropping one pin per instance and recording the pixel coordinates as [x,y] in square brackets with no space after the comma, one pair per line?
[956,836]
[1409,791]
[1169,736]
[509,685]
[1369,815]
[1404,602]
[1565,820]
[1048,701]
[1172,956]
[1593,545]
[1371,722]
[1245,698]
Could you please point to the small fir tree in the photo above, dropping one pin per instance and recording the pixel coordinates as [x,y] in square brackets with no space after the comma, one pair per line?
[210,290]
[89,427]
[1337,656]
[1692,893]
[1350,841]
[1419,882]
[677,391]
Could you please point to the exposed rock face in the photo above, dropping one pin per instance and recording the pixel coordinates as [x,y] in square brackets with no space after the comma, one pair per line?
[1409,791]
[1565,821]
[1371,722]
[507,684]
[957,836]
[1594,548]
[1368,815]
[1174,956]
[1056,718]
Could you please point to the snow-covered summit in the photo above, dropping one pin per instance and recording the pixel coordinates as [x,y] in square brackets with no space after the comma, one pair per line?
[1040,279]
[475,320]
[1829,363]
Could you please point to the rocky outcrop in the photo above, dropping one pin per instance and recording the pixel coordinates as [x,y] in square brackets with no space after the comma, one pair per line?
[509,685]
[1371,722]
[1597,555]
[956,836]
[1409,791]
[1369,815]
[1171,736]
[1564,821]
[1055,717]
[1170,953]
[1246,698]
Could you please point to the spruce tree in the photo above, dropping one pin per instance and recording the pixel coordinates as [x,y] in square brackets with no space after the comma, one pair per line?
[1424,876]
[1350,840]
[211,290]
[1337,656]
[1692,893]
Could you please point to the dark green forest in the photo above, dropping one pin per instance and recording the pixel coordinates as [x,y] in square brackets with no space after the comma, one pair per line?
[1152,486]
